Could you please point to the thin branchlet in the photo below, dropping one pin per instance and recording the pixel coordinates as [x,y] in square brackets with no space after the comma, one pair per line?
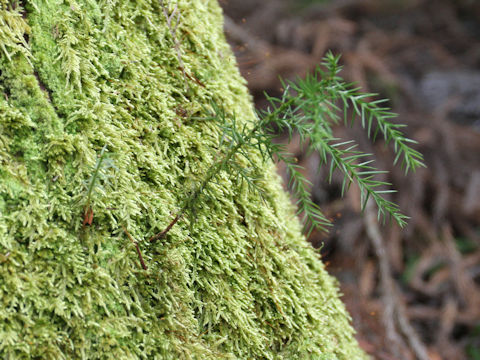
[137,248]
[309,107]
[91,185]
[95,175]
[227,162]
[94,186]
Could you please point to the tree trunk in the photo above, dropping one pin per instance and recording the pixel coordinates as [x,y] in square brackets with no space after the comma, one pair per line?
[103,132]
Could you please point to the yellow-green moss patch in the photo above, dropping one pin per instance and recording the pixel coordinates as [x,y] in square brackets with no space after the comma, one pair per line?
[241,283]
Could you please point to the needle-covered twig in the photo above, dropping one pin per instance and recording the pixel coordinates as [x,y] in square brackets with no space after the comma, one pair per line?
[309,107]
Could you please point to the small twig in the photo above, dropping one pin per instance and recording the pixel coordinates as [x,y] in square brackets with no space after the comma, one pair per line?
[163,233]
[192,77]
[297,110]
[464,284]
[394,312]
[87,210]
[137,247]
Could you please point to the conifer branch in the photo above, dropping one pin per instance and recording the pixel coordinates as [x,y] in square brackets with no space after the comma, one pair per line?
[309,107]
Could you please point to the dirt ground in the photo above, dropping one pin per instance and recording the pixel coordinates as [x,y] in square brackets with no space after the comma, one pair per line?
[413,293]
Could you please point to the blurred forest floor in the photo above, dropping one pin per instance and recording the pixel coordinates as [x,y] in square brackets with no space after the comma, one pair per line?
[413,292]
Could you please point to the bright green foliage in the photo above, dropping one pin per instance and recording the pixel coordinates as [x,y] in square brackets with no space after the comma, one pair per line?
[80,76]
[308,107]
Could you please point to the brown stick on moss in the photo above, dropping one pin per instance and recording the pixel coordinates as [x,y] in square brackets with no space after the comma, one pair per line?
[136,247]
[162,233]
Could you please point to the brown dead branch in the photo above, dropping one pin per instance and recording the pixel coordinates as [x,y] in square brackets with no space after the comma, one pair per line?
[395,316]
[142,262]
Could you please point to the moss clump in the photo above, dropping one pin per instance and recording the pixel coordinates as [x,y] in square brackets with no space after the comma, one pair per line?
[76,76]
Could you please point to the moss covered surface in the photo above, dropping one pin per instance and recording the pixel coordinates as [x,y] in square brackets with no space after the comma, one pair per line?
[241,283]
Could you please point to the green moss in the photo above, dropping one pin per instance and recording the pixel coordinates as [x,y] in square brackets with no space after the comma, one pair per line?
[239,283]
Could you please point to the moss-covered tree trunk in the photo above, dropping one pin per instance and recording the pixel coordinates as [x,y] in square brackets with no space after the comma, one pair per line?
[240,282]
